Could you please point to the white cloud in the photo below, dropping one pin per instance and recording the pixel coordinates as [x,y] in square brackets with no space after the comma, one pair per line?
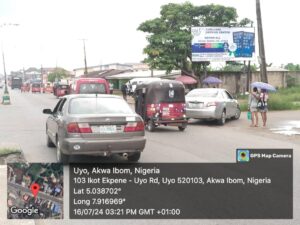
[50,30]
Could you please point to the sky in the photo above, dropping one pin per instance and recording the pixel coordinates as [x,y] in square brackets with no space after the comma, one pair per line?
[50,31]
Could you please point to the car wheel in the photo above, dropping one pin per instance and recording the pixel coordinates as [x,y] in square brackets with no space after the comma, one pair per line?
[49,142]
[237,113]
[182,127]
[150,126]
[134,157]
[61,157]
[222,120]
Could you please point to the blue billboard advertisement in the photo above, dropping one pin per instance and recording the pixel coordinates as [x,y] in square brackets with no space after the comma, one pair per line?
[223,43]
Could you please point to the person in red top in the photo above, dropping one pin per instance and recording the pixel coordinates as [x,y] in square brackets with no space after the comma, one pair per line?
[263,110]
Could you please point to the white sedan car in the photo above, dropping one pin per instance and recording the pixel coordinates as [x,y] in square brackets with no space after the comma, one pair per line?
[212,104]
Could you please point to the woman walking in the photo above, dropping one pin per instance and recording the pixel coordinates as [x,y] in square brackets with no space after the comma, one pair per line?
[252,107]
[263,109]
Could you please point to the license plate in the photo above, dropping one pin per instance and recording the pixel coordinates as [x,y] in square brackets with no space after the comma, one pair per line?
[196,105]
[165,111]
[107,129]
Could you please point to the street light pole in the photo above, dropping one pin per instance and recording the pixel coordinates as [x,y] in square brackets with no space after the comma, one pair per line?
[4,70]
[5,97]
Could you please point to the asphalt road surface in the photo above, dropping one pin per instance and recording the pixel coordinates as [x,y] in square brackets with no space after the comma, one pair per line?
[23,123]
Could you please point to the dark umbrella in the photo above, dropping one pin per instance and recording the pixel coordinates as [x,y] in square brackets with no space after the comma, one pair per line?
[211,80]
[262,85]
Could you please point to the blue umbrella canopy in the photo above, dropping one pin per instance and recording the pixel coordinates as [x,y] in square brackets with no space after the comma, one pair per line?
[211,80]
[262,85]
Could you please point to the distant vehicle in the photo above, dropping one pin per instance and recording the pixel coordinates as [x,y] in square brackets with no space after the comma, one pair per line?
[25,87]
[16,82]
[90,86]
[47,88]
[212,104]
[161,103]
[61,90]
[90,124]
[36,88]
[132,84]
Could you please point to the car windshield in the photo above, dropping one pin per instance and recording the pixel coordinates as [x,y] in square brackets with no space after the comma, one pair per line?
[91,88]
[36,85]
[203,93]
[99,106]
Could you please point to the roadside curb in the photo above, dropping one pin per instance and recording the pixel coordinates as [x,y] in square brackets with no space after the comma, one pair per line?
[10,153]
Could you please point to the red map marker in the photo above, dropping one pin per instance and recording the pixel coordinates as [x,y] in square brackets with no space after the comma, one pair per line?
[35,188]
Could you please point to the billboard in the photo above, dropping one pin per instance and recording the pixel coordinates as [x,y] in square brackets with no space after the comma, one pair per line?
[223,43]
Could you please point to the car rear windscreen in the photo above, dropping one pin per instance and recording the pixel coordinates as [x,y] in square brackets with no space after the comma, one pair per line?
[99,106]
[92,88]
[203,93]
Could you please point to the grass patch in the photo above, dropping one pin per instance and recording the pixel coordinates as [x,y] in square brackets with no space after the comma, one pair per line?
[7,151]
[283,99]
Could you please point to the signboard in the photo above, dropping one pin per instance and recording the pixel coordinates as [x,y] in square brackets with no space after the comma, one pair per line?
[223,43]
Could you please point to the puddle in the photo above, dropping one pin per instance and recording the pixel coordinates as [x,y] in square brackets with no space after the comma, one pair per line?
[289,128]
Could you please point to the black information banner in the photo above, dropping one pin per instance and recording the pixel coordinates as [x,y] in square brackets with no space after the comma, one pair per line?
[258,186]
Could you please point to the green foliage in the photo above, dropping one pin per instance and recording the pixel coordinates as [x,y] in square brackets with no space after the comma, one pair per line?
[292,67]
[291,81]
[283,99]
[169,36]
[57,74]
[8,151]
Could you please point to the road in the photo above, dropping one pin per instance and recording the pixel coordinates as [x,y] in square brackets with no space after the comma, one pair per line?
[22,122]
[42,195]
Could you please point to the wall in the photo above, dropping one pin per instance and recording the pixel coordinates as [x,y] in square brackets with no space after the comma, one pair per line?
[235,82]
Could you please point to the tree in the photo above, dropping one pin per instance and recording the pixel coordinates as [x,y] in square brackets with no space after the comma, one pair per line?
[169,39]
[57,74]
[292,67]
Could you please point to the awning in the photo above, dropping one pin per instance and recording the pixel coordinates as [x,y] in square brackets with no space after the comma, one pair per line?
[186,79]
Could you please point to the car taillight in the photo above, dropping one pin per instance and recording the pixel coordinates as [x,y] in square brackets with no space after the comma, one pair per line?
[154,107]
[211,104]
[79,128]
[134,126]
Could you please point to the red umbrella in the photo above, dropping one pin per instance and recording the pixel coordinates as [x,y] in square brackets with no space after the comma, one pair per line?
[186,79]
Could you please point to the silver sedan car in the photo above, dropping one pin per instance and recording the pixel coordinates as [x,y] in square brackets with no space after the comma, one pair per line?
[91,124]
[212,104]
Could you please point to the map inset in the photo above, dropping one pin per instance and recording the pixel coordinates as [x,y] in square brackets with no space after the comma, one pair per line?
[35,191]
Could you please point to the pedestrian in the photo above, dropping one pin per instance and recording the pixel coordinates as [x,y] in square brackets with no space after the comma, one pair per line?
[263,105]
[252,106]
[124,91]
[129,88]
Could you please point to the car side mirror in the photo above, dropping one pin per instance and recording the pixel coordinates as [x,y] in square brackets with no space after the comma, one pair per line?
[47,111]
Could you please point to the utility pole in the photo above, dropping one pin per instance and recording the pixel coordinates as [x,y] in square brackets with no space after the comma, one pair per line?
[263,67]
[84,52]
[4,70]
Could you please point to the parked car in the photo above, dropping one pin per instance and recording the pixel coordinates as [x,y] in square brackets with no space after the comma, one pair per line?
[212,104]
[92,124]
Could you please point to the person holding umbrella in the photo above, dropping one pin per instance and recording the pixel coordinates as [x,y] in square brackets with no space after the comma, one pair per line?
[264,105]
[252,106]
[263,98]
